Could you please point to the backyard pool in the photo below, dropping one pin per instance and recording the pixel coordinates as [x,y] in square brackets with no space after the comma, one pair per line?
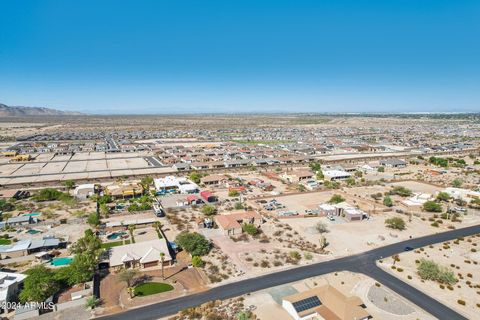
[32,231]
[115,235]
[32,214]
[63,261]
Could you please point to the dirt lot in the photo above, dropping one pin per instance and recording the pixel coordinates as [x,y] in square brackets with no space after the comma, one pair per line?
[381,302]
[462,256]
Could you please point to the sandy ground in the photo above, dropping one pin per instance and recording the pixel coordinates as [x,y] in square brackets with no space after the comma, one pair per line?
[267,303]
[459,257]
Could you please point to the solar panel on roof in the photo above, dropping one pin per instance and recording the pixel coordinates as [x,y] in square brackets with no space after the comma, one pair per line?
[307,303]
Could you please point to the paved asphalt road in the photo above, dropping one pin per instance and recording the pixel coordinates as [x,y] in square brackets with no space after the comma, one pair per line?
[362,263]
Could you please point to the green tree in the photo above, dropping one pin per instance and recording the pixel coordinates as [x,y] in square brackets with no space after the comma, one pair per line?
[319,175]
[351,181]
[395,223]
[400,191]
[443,196]
[195,177]
[6,206]
[146,182]
[197,262]
[250,228]
[457,183]
[81,268]
[244,315]
[432,206]
[162,260]
[316,166]
[104,210]
[209,210]
[193,242]
[69,184]
[387,201]
[89,243]
[92,302]
[233,193]
[336,198]
[39,285]
[332,184]
[321,227]
[48,194]
[430,270]
[93,219]
[238,206]
[128,276]
[381,169]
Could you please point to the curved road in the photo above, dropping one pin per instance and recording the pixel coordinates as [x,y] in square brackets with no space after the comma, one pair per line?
[361,263]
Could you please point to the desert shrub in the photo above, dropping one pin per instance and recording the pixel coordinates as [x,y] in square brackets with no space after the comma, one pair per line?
[430,270]
[395,223]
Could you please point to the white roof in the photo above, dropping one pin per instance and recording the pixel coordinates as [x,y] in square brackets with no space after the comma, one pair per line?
[418,199]
[147,251]
[326,206]
[461,193]
[130,222]
[335,173]
[168,181]
[6,280]
[152,255]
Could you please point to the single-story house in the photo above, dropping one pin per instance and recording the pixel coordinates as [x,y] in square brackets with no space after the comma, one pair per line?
[140,255]
[10,284]
[393,163]
[327,209]
[18,221]
[84,191]
[325,302]
[193,199]
[214,179]
[298,176]
[200,165]
[116,225]
[231,224]
[208,196]
[333,175]
[171,184]
[27,246]
[181,166]
[126,190]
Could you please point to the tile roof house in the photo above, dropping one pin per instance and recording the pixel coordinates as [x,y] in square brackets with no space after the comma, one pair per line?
[325,302]
[231,224]
[141,254]
[214,179]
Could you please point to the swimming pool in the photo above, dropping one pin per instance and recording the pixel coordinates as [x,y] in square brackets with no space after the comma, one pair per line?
[115,235]
[32,231]
[63,261]
[32,214]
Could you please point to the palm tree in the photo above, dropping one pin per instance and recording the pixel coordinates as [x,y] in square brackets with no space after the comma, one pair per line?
[162,259]
[128,276]
[131,228]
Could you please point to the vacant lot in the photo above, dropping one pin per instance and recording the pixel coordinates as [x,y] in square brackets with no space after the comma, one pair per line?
[462,256]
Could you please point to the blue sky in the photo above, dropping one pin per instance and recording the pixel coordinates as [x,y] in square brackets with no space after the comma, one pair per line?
[241,56]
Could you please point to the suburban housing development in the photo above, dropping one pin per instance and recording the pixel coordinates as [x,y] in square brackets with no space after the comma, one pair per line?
[339,218]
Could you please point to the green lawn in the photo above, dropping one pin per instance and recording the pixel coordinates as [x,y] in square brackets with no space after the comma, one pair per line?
[5,241]
[148,288]
[108,245]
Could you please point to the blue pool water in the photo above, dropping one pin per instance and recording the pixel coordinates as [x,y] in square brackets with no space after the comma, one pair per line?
[63,261]
[32,214]
[115,235]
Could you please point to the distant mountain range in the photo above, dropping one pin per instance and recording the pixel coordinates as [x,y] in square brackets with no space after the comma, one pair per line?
[16,111]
